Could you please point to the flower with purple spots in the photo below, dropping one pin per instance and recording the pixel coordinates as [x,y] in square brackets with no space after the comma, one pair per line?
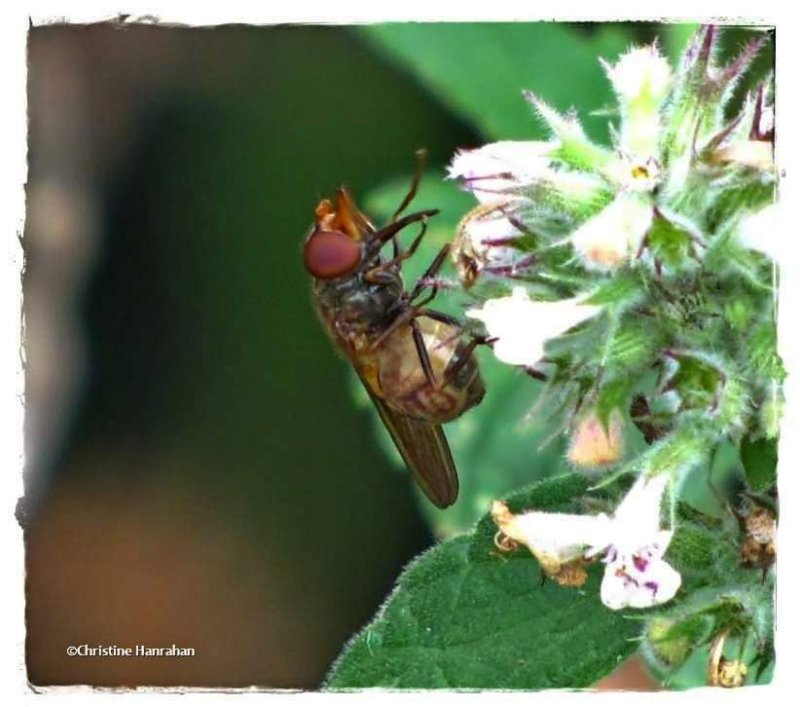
[630,541]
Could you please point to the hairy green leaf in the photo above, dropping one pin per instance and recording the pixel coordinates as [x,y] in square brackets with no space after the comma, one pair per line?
[465,615]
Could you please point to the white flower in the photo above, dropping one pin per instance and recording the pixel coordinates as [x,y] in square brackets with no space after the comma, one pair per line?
[522,326]
[636,575]
[498,168]
[613,236]
[555,539]
[760,231]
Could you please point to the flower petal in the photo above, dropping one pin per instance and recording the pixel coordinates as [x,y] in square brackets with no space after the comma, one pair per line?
[626,585]
[553,538]
[760,231]
[499,167]
[522,326]
[642,79]
[638,515]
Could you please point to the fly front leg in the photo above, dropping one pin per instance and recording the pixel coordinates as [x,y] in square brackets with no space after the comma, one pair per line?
[425,280]
[385,272]
[381,238]
[399,254]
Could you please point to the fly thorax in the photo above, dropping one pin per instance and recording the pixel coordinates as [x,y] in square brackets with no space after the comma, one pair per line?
[358,306]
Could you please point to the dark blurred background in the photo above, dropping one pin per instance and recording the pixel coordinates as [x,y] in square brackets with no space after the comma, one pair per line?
[197,471]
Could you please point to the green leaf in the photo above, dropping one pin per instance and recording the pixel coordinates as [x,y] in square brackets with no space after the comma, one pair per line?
[634,344]
[623,289]
[669,241]
[760,460]
[480,70]
[465,615]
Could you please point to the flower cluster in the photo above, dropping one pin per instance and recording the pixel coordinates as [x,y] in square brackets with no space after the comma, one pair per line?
[637,279]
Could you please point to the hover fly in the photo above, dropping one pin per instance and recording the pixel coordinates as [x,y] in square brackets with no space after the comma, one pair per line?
[416,364]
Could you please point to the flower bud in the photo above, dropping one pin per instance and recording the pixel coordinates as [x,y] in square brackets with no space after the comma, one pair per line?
[483,240]
[641,76]
[611,238]
[594,444]
[671,642]
[642,79]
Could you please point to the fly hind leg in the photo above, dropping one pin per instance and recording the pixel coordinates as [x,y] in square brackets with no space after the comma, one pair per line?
[461,358]
[463,355]
[455,365]
[422,353]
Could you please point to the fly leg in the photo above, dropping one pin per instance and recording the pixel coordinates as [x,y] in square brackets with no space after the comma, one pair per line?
[461,358]
[422,353]
[387,233]
[442,317]
[411,311]
[399,254]
[454,366]
[421,155]
[427,278]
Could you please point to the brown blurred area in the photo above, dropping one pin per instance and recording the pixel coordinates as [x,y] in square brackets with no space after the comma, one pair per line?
[195,476]
[631,675]
[137,566]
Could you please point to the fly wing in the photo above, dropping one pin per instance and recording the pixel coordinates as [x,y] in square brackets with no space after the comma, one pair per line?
[425,450]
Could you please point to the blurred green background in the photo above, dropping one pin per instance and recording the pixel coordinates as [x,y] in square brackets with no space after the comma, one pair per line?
[199,471]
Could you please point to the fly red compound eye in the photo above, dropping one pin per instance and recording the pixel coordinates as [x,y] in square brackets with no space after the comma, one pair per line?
[331,254]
